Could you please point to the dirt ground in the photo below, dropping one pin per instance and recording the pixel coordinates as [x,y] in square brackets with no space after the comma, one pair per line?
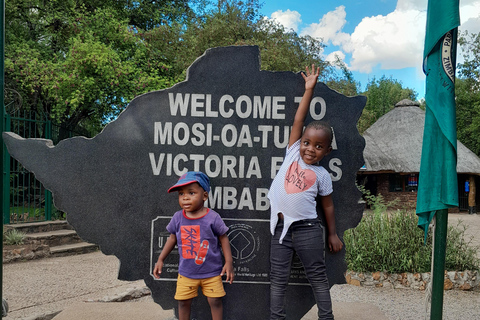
[472,224]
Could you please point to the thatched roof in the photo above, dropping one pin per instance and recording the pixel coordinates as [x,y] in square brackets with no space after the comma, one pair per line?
[394,143]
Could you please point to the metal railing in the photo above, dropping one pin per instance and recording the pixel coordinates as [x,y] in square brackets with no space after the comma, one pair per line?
[25,198]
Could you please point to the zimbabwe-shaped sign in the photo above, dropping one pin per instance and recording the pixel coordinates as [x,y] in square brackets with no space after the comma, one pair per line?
[229,120]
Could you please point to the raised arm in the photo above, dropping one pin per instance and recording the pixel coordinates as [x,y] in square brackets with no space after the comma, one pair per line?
[310,78]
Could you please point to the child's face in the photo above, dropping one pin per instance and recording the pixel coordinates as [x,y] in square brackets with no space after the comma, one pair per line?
[314,145]
[192,197]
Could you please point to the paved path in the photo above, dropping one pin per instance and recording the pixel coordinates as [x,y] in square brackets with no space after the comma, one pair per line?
[78,285]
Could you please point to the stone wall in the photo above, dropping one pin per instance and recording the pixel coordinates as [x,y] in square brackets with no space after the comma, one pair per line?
[454,280]
[15,253]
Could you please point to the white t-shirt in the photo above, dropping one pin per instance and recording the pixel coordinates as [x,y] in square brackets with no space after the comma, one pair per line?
[294,189]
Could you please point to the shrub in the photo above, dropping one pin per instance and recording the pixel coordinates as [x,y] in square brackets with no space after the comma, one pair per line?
[461,254]
[13,236]
[392,242]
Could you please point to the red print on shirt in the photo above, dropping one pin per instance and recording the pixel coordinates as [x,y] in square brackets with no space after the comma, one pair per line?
[190,241]
[298,179]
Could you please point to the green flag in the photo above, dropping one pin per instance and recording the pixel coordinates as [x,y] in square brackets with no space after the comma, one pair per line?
[437,187]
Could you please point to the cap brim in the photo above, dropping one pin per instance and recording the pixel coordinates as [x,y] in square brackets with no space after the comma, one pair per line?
[171,189]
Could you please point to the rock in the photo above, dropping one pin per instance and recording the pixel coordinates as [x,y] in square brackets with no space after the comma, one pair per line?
[448,284]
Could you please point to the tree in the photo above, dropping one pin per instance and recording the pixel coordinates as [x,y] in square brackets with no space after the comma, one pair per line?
[232,22]
[344,83]
[148,14]
[283,50]
[81,61]
[467,91]
[79,67]
[382,95]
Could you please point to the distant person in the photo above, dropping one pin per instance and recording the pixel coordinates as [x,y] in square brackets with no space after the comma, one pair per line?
[199,232]
[294,223]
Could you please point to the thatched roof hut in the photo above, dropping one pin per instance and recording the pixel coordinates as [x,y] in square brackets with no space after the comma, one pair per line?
[394,143]
[393,148]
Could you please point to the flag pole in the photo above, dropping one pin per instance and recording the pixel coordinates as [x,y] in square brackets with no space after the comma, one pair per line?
[438,274]
[2,119]
[438,188]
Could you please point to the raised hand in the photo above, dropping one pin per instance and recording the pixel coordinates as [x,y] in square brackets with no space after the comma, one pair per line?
[311,77]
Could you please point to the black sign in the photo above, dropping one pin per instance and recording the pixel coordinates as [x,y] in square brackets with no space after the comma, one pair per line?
[229,120]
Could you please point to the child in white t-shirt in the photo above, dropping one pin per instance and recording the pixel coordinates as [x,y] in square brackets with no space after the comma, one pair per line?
[294,223]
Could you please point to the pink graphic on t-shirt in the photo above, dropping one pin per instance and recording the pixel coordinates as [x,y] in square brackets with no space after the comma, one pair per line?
[298,179]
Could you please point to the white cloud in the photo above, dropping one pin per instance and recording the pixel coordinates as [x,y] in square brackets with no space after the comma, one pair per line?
[470,21]
[289,19]
[394,41]
[470,16]
[419,5]
[329,27]
[332,57]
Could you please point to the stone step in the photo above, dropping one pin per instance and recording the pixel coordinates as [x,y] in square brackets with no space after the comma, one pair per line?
[53,238]
[44,226]
[72,249]
[46,239]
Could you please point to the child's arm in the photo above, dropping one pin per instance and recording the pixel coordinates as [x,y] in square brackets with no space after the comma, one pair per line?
[310,82]
[334,242]
[227,253]
[169,245]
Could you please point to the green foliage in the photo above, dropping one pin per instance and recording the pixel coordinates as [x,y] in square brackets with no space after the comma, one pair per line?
[391,241]
[148,14]
[470,68]
[58,215]
[386,242]
[81,62]
[382,95]
[467,91]
[468,115]
[232,22]
[344,83]
[13,237]
[78,66]
[376,202]
[460,253]
[283,50]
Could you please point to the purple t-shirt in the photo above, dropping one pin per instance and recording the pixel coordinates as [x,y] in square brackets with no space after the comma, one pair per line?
[198,244]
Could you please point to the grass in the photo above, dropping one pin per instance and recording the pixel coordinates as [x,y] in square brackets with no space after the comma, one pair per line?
[32,211]
[24,214]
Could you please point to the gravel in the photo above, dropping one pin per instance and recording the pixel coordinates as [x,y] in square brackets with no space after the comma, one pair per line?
[49,285]
[406,304]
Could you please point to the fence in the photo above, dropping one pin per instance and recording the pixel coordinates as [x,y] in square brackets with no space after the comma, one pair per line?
[25,198]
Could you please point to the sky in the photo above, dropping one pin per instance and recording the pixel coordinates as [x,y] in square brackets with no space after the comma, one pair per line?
[373,37]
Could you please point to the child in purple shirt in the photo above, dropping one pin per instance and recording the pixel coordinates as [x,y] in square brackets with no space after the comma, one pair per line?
[199,232]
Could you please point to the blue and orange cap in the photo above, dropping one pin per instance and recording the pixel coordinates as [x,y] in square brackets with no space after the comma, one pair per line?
[191,177]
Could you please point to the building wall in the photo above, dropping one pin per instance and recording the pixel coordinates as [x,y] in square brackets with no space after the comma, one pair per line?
[406,199]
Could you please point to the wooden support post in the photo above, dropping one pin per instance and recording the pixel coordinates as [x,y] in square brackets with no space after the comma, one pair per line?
[472,206]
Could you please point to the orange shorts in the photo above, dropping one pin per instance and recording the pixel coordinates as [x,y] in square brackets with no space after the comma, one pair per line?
[188,288]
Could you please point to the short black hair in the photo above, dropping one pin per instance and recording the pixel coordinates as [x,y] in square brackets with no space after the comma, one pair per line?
[321,125]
